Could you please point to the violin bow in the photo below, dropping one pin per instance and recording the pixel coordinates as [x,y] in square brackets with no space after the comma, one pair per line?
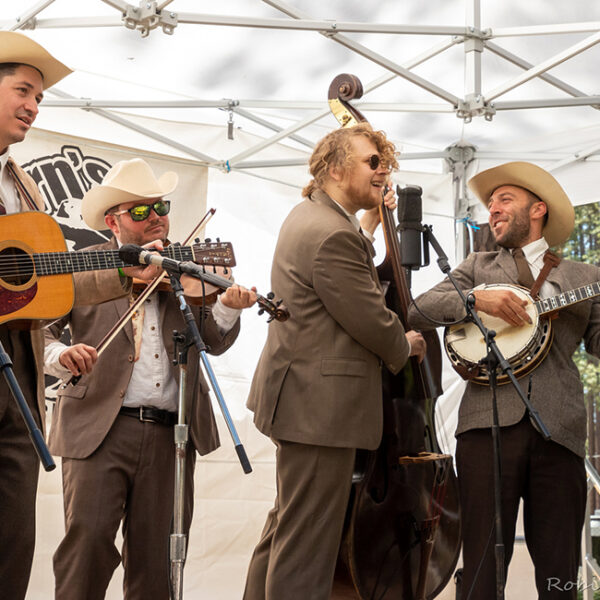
[150,287]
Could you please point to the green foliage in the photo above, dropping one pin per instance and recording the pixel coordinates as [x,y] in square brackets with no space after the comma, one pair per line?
[584,246]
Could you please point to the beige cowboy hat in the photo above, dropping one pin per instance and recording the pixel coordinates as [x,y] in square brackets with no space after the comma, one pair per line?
[126,181]
[18,48]
[561,215]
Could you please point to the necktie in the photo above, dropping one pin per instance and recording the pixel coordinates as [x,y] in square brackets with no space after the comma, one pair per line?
[525,277]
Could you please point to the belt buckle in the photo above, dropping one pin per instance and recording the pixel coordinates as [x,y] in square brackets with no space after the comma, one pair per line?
[145,420]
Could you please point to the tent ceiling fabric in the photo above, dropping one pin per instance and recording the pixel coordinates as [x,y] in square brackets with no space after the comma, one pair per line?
[494,76]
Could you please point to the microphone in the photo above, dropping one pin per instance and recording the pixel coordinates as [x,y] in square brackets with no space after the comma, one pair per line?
[136,255]
[410,215]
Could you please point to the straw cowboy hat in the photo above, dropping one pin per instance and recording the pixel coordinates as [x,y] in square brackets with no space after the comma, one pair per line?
[561,215]
[18,48]
[126,181]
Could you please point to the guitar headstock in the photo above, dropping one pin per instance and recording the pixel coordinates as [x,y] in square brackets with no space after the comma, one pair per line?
[219,254]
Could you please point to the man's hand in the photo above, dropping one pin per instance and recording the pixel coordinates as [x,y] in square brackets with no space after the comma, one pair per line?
[503,304]
[79,359]
[418,345]
[238,297]
[370,218]
[146,272]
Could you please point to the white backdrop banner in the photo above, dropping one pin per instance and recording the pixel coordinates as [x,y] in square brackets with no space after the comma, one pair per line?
[65,167]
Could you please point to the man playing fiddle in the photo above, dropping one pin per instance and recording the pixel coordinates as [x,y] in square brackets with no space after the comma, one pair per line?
[114,428]
[529,211]
[317,387]
[26,70]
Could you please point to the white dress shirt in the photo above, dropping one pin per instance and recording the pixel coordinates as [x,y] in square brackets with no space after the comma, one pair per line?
[534,254]
[8,192]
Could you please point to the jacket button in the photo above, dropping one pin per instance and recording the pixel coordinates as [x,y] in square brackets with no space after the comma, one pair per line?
[121,394]
[130,358]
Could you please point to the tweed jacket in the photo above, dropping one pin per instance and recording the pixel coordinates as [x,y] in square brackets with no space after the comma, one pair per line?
[84,413]
[92,290]
[318,379]
[556,390]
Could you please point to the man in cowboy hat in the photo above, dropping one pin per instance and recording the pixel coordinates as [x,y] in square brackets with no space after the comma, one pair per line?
[114,429]
[26,70]
[529,211]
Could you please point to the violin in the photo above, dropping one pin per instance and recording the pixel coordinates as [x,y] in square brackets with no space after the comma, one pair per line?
[209,254]
[402,535]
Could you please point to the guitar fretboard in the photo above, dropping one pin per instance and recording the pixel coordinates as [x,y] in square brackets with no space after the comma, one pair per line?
[56,263]
[548,305]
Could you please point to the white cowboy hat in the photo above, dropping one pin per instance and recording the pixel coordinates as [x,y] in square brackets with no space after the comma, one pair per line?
[561,215]
[126,181]
[18,48]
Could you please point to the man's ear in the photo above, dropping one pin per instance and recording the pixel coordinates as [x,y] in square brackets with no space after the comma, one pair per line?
[336,172]
[538,210]
[112,222]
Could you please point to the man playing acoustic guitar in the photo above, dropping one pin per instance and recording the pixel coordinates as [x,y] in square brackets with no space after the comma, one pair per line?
[529,211]
[26,70]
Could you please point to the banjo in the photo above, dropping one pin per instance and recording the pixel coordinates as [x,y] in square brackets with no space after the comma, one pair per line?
[523,347]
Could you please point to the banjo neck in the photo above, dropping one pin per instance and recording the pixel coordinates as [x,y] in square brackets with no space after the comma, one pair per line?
[545,306]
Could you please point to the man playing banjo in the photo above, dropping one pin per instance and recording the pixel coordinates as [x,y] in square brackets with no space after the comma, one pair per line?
[529,212]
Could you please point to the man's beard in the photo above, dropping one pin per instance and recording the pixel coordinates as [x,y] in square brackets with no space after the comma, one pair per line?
[517,232]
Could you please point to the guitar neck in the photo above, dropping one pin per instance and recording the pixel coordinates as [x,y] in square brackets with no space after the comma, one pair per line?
[57,263]
[560,301]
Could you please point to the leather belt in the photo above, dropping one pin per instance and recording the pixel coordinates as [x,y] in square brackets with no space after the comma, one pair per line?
[150,414]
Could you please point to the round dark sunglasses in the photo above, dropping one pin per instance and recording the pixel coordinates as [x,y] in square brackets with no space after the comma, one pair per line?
[141,212]
[374,161]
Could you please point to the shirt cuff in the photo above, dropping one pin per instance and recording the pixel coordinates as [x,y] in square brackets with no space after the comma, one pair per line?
[52,364]
[224,316]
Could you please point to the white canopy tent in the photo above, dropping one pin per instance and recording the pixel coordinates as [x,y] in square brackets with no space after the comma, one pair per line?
[458,86]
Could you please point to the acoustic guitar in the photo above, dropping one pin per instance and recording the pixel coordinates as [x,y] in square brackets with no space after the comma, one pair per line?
[35,266]
[523,347]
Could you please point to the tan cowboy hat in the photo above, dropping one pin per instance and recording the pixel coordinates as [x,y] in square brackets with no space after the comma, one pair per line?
[561,215]
[18,48]
[126,181]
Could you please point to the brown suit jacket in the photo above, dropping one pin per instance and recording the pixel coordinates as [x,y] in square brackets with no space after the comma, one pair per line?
[557,392]
[318,380]
[87,290]
[84,413]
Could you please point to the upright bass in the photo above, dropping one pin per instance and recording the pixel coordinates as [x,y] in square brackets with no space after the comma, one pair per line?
[402,533]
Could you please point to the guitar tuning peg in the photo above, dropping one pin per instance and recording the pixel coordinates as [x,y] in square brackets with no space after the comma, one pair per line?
[218,239]
[214,269]
[207,240]
[197,241]
[270,295]
[225,271]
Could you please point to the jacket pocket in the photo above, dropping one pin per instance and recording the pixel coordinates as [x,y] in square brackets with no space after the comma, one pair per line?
[72,391]
[348,367]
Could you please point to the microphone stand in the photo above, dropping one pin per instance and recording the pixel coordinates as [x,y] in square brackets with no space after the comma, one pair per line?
[178,540]
[494,360]
[37,439]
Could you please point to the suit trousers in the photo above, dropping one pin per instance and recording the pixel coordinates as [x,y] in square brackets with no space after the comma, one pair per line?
[128,478]
[19,469]
[296,556]
[552,482]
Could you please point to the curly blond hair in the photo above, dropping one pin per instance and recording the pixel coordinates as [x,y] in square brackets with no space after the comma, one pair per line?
[335,149]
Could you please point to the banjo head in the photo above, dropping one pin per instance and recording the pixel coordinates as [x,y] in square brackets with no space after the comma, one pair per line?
[522,346]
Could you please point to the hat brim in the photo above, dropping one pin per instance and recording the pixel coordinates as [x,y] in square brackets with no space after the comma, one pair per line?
[561,214]
[99,199]
[18,48]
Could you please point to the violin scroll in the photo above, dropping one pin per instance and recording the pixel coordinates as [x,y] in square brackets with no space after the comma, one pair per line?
[276,310]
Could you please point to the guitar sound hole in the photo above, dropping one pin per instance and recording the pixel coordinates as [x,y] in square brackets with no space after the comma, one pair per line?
[16,266]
